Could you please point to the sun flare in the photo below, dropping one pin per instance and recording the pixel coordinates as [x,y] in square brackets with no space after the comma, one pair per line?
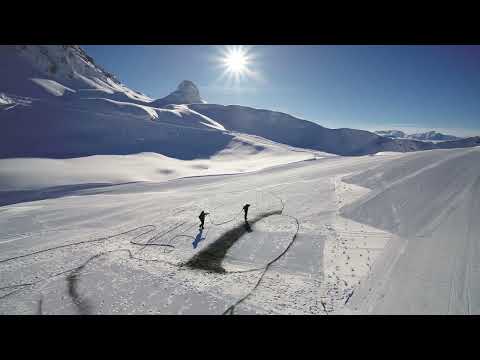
[237,62]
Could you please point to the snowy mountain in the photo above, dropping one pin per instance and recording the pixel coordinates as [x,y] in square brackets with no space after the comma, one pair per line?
[433,136]
[287,129]
[58,103]
[101,187]
[426,136]
[43,71]
[186,93]
[394,134]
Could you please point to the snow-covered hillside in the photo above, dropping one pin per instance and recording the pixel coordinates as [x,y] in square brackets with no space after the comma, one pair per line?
[241,154]
[42,71]
[79,249]
[286,129]
[319,241]
[57,102]
[101,188]
[430,202]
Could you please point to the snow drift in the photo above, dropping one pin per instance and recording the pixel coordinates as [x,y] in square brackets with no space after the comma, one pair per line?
[410,193]
[431,202]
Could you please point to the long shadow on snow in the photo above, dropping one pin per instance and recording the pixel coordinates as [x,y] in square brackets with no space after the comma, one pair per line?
[212,256]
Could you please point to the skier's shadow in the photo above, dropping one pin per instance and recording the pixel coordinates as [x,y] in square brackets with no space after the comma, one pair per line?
[198,238]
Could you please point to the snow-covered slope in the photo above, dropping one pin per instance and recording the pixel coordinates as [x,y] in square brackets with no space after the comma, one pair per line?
[56,102]
[411,248]
[462,143]
[45,70]
[430,201]
[240,154]
[78,249]
[286,129]
[119,174]
[103,126]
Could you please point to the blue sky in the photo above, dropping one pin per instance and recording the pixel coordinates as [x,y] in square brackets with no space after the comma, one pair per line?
[410,88]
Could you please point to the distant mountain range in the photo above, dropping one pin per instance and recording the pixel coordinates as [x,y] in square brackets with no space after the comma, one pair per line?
[426,136]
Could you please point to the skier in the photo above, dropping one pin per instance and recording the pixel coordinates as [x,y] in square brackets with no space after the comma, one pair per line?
[245,209]
[202,218]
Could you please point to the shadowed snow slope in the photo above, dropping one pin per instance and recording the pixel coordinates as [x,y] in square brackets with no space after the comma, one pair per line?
[102,126]
[431,200]
[240,154]
[61,104]
[411,193]
[56,103]
[289,130]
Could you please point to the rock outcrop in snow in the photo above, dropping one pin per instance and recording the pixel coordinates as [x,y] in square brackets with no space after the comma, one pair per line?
[186,93]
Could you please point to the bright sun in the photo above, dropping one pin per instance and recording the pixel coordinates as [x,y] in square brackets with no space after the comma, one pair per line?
[236,62]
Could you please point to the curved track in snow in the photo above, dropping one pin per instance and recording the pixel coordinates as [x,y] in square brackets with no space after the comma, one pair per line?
[408,245]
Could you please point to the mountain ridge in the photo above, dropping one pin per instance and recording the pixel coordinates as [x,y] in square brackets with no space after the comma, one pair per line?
[425,136]
[84,110]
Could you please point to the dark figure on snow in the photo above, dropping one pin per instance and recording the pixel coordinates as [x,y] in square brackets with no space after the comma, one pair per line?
[245,209]
[202,218]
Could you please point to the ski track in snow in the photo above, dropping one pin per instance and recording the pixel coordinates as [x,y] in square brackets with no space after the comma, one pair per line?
[429,266]
[95,220]
[280,289]
[329,264]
